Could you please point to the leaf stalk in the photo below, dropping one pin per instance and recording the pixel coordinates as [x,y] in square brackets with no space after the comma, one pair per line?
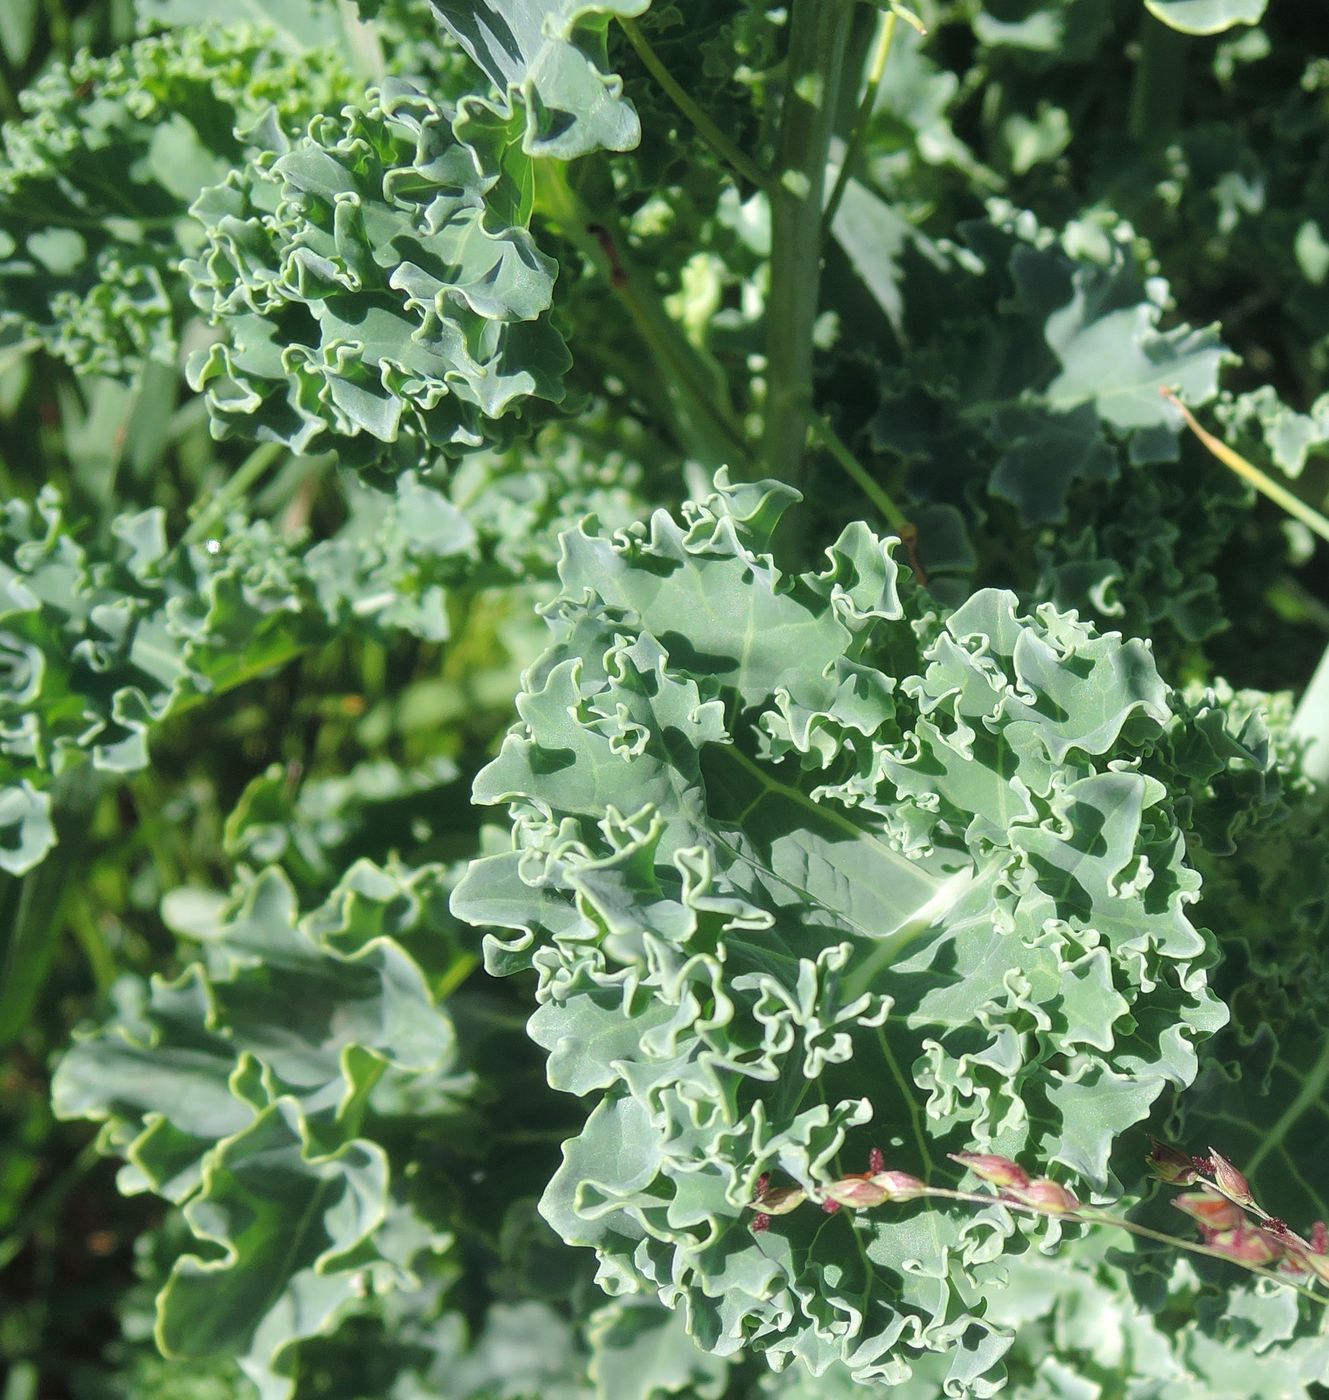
[858,137]
[726,150]
[819,32]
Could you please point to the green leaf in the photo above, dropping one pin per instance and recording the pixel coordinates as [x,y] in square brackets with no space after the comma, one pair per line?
[547,59]
[285,1216]
[253,1092]
[298,25]
[376,295]
[813,842]
[96,182]
[1206,16]
[101,645]
[641,1351]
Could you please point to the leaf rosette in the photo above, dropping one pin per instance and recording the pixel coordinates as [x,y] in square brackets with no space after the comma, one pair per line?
[803,866]
[379,290]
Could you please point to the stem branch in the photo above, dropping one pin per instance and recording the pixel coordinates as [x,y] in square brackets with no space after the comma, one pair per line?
[706,426]
[819,32]
[858,137]
[1094,1217]
[733,156]
[834,444]
[1266,485]
[233,490]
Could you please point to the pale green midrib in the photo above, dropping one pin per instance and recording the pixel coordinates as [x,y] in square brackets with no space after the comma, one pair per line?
[1312,1088]
[829,814]
[945,892]
[907,1092]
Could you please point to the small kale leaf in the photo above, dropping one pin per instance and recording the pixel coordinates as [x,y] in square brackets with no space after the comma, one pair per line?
[548,62]
[100,643]
[379,291]
[96,182]
[250,1089]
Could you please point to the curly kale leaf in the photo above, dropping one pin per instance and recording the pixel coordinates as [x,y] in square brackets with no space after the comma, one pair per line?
[255,1091]
[548,63]
[96,648]
[96,182]
[794,856]
[378,289]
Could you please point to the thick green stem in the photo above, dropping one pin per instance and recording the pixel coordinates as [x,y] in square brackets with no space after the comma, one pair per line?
[704,424]
[736,158]
[1159,82]
[819,32]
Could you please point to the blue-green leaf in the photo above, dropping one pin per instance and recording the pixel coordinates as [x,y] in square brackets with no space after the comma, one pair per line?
[376,295]
[840,862]
[547,60]
[1206,16]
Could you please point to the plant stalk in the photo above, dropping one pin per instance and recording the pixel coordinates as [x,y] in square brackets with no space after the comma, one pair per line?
[858,137]
[1087,1216]
[705,425]
[234,489]
[854,469]
[731,154]
[1264,484]
[819,32]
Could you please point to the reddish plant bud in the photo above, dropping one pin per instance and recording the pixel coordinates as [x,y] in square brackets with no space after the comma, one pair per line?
[1320,1237]
[1049,1196]
[857,1192]
[1213,1212]
[1230,1181]
[830,1207]
[1168,1164]
[763,1184]
[760,1222]
[900,1186]
[1000,1171]
[1203,1165]
[1247,1246]
[782,1200]
[876,1160]
[1275,1226]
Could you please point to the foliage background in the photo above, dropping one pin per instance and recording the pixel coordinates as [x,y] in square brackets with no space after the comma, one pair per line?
[1061,206]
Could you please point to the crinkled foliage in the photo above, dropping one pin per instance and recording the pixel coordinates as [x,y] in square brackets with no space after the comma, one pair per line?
[547,61]
[803,866]
[100,644]
[96,183]
[256,1091]
[377,287]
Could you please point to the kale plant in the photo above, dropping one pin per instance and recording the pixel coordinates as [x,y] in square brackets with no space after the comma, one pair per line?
[665,722]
